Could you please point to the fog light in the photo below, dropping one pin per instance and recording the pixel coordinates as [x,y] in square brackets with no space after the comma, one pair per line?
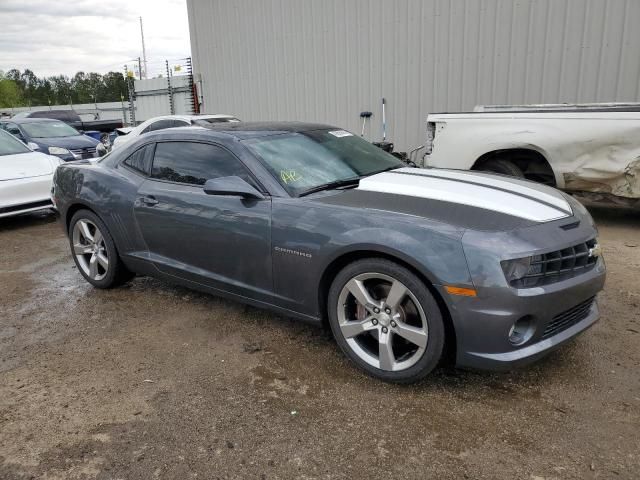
[521,330]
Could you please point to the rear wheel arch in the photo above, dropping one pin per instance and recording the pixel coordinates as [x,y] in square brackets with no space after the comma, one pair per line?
[531,162]
[71,211]
[340,262]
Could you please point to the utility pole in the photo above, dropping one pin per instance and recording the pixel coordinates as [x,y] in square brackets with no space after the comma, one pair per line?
[140,69]
[144,52]
[172,108]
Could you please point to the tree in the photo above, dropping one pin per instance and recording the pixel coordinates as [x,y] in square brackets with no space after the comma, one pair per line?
[25,88]
[9,92]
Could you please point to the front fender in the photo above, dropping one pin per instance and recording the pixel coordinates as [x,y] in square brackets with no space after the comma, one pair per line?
[440,259]
[308,239]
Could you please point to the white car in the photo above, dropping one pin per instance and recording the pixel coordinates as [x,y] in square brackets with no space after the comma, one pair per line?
[25,177]
[168,121]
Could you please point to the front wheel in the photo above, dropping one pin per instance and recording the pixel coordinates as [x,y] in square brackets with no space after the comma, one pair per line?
[94,251]
[386,320]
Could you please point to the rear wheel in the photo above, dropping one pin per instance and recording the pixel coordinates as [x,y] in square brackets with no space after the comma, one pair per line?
[94,251]
[502,166]
[386,320]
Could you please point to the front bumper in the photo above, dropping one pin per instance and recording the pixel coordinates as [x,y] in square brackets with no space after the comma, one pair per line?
[482,323]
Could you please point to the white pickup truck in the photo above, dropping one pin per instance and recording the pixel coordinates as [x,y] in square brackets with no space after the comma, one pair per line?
[593,149]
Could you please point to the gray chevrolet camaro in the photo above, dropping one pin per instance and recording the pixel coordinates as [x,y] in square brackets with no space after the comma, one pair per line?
[407,266]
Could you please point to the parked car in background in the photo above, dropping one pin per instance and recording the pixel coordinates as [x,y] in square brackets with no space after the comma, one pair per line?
[317,223]
[72,118]
[591,149]
[128,134]
[25,177]
[54,138]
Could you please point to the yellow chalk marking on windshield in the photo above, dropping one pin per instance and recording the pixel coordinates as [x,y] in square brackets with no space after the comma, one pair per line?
[289,176]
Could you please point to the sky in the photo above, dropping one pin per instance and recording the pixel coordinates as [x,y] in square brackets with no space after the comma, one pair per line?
[53,37]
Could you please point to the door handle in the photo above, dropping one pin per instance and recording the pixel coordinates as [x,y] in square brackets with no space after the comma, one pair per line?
[149,200]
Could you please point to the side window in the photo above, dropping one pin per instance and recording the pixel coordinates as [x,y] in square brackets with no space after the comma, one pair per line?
[195,163]
[13,129]
[180,123]
[159,125]
[140,160]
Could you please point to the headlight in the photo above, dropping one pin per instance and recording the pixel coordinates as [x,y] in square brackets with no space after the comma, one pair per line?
[58,151]
[516,269]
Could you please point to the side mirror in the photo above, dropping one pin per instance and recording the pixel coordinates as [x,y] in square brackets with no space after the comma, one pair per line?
[231,186]
[33,146]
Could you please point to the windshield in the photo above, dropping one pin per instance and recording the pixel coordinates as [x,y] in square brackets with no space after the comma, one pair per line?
[306,160]
[49,130]
[10,145]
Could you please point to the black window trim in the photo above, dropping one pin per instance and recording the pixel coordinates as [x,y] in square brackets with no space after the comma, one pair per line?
[258,183]
[122,163]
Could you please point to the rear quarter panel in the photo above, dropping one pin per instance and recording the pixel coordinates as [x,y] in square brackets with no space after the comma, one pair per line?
[109,192]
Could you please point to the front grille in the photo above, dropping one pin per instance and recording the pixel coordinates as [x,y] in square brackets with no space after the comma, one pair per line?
[26,206]
[568,318]
[88,152]
[559,265]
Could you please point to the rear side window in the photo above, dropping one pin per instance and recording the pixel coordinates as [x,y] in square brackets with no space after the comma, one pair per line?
[195,163]
[159,125]
[140,160]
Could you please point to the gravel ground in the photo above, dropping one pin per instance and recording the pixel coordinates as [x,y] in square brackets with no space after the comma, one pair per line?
[156,381]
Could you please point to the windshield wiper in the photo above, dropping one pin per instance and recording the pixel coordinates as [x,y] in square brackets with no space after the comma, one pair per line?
[348,182]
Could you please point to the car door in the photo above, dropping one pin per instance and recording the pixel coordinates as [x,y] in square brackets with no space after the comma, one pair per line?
[220,241]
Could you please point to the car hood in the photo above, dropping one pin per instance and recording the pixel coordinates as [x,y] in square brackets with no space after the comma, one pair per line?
[70,143]
[465,199]
[24,165]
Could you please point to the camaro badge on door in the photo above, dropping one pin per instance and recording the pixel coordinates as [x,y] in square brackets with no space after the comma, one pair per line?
[293,252]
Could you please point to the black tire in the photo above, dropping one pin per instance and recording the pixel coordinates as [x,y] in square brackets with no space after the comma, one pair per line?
[116,274]
[435,326]
[502,166]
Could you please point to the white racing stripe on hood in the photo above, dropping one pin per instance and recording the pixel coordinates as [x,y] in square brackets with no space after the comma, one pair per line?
[540,192]
[476,191]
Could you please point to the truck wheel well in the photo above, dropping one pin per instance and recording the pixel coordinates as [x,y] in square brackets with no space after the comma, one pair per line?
[339,263]
[532,163]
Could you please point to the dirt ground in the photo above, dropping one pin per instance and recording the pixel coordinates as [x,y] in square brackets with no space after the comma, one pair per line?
[155,381]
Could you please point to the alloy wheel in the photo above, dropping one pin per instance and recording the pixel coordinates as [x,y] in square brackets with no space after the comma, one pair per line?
[90,249]
[382,321]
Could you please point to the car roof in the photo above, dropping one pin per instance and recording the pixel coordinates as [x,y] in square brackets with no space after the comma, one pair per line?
[30,120]
[225,132]
[189,117]
[242,130]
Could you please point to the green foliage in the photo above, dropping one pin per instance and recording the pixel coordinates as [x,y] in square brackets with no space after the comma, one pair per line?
[9,93]
[20,89]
